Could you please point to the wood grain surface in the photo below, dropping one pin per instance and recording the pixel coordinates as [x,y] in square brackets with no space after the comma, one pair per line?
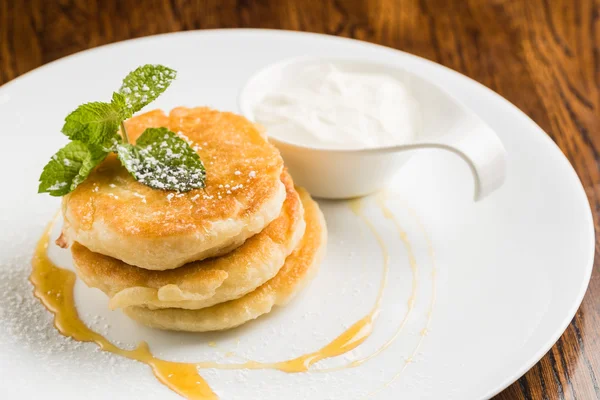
[542,55]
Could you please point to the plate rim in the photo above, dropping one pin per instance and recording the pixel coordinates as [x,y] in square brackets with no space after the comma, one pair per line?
[581,195]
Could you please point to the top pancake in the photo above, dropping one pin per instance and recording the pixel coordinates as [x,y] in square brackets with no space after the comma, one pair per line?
[112,214]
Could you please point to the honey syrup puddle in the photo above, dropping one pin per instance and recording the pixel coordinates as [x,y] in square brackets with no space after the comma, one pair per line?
[54,287]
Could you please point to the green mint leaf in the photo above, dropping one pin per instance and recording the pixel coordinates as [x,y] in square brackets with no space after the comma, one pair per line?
[162,160]
[145,84]
[119,103]
[95,123]
[69,167]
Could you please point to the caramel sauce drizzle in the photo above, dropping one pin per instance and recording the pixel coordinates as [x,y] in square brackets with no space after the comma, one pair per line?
[425,330]
[412,261]
[54,287]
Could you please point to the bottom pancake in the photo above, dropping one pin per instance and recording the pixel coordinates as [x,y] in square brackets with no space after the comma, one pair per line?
[298,270]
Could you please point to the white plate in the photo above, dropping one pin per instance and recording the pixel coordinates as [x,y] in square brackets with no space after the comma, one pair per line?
[511,270]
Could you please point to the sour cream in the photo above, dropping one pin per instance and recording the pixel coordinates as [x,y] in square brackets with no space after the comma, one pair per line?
[326,107]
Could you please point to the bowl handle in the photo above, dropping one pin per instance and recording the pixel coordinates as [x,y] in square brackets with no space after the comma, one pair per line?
[480,147]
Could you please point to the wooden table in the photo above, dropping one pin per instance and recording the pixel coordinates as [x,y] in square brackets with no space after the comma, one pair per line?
[542,55]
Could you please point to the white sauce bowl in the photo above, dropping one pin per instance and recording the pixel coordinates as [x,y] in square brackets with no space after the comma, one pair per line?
[346,173]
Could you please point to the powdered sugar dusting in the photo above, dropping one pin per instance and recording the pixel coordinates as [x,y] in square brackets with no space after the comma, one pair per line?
[26,325]
[162,160]
[57,185]
[141,196]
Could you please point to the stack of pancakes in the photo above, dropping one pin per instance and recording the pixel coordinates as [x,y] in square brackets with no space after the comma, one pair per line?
[203,260]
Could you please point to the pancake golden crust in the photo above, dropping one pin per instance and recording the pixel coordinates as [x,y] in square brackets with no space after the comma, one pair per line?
[298,269]
[201,283]
[112,214]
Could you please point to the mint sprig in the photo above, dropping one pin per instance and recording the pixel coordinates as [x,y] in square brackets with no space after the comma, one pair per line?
[159,159]
[163,160]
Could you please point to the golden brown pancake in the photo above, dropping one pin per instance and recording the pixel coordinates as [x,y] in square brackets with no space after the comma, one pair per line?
[112,214]
[200,283]
[298,269]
